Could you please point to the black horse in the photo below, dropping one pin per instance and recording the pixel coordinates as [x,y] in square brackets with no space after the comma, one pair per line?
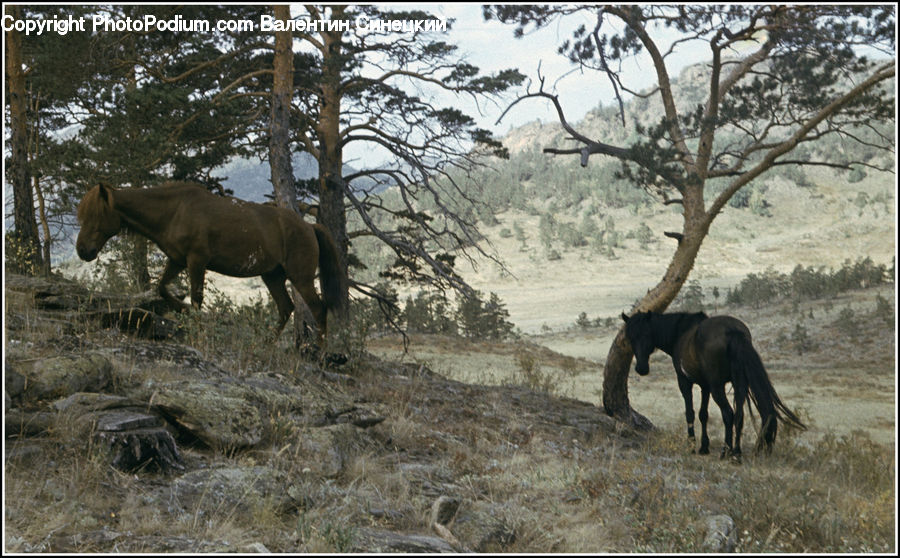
[711,352]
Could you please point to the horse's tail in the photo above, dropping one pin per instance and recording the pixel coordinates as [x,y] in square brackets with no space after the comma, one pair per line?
[747,368]
[329,269]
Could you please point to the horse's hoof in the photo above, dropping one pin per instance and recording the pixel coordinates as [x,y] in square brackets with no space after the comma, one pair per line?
[308,351]
[703,451]
[725,453]
[736,459]
[335,359]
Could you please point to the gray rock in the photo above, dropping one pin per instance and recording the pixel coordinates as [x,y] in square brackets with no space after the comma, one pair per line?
[231,490]
[216,413]
[375,540]
[14,382]
[721,535]
[444,509]
[23,423]
[61,376]
[328,450]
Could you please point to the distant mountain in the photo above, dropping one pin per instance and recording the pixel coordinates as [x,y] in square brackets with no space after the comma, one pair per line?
[251,179]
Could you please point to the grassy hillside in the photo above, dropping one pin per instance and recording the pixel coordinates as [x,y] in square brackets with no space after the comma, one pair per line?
[575,239]
[386,456]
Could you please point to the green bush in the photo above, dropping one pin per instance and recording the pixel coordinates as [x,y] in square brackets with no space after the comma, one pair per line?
[479,319]
[847,323]
[801,340]
[808,283]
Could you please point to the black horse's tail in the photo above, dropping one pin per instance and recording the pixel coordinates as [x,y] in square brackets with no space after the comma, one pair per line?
[747,367]
[329,269]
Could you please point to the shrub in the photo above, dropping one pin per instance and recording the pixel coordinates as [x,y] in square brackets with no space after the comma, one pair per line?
[483,320]
[583,322]
[532,375]
[847,323]
[808,283]
[857,174]
[801,340]
[884,310]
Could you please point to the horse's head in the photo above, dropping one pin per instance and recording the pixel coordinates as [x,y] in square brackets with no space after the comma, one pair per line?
[640,335]
[99,222]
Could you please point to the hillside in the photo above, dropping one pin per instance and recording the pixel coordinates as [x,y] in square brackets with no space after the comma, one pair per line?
[819,226]
[197,434]
[576,239]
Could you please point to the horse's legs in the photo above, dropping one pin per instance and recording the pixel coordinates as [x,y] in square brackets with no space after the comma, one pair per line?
[274,281]
[170,272]
[687,393]
[718,395]
[306,286]
[197,274]
[704,417]
[740,395]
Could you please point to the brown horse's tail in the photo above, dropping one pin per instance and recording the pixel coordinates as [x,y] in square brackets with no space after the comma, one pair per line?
[329,269]
[747,369]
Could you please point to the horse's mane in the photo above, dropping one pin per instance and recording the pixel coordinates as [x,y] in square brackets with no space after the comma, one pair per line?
[90,210]
[672,326]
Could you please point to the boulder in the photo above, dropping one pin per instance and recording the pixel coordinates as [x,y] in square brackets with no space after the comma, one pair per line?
[61,376]
[225,491]
[220,415]
[378,541]
[721,535]
[327,451]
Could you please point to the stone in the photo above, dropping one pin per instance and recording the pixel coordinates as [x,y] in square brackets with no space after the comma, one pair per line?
[219,415]
[378,541]
[720,534]
[227,490]
[61,376]
[444,509]
[328,450]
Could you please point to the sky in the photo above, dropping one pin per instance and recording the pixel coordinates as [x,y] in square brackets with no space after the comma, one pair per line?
[491,46]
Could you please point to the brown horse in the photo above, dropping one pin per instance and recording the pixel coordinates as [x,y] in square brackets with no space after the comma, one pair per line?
[198,230]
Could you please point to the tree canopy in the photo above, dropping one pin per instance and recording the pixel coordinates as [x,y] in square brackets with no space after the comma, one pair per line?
[141,107]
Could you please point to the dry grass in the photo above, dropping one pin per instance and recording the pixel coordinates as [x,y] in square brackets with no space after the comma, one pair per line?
[545,486]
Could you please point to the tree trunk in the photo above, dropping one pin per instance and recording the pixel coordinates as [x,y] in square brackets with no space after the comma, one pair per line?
[657,299]
[139,254]
[140,246]
[331,188]
[279,135]
[45,227]
[280,166]
[36,184]
[25,235]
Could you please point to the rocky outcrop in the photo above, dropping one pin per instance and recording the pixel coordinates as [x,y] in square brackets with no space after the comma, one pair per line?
[203,443]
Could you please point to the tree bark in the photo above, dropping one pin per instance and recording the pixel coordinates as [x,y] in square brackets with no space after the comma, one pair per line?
[45,227]
[280,166]
[279,134]
[25,234]
[657,299]
[140,246]
[331,187]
